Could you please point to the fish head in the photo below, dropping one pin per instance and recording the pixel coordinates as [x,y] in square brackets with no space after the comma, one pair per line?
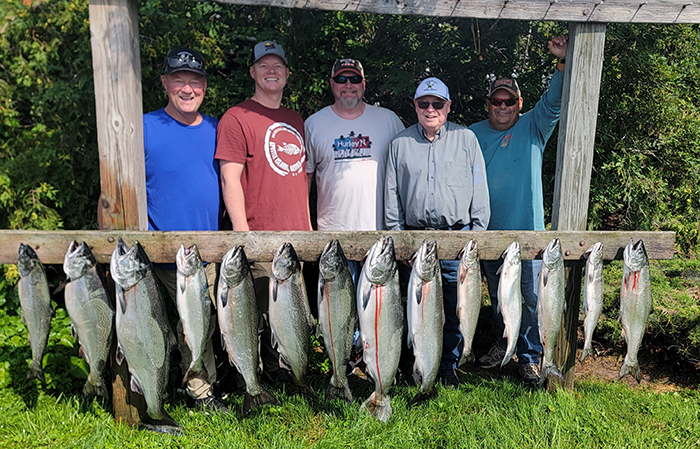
[188,260]
[512,254]
[285,262]
[27,260]
[469,257]
[332,260]
[635,255]
[128,265]
[425,261]
[552,256]
[78,260]
[381,261]
[234,265]
[594,254]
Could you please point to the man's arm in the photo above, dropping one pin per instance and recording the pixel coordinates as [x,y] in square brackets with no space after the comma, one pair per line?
[547,111]
[232,189]
[393,213]
[480,210]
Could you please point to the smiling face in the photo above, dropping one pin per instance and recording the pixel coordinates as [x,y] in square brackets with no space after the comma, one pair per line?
[503,117]
[432,119]
[185,94]
[270,74]
[348,95]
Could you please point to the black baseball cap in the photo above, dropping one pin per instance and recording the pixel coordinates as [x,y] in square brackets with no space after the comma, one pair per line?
[182,58]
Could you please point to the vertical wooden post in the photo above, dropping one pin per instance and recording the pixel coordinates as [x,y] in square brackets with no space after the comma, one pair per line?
[117,71]
[122,205]
[584,65]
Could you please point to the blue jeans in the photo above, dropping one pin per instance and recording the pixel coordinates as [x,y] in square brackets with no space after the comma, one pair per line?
[528,347]
[452,341]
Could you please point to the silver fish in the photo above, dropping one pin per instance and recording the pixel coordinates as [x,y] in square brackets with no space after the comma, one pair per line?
[194,308]
[91,314]
[468,296]
[550,305]
[381,323]
[144,337]
[635,304]
[291,322]
[510,298]
[37,312]
[237,312]
[426,316]
[592,295]
[337,315]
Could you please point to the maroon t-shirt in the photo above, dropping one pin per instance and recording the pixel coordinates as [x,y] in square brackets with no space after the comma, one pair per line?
[270,145]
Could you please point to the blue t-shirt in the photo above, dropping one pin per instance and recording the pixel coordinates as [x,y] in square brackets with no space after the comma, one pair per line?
[182,177]
[513,161]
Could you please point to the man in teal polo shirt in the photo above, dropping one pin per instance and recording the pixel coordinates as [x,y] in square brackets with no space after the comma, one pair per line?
[512,144]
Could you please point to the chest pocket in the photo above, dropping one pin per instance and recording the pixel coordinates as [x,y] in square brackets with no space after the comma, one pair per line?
[456,170]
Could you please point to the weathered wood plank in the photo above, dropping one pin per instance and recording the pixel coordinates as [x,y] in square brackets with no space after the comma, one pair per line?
[574,164]
[117,72]
[637,11]
[261,245]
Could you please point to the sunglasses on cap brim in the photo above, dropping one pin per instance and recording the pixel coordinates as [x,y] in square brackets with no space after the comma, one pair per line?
[185,60]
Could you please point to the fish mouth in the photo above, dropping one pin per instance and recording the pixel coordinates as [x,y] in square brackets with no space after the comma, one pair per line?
[26,252]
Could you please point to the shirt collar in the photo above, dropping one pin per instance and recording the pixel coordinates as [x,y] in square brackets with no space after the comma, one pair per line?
[438,135]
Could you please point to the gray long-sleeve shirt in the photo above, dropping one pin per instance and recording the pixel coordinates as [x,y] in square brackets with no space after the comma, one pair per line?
[436,184]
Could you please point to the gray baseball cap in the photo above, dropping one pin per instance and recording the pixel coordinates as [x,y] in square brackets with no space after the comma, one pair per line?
[268,48]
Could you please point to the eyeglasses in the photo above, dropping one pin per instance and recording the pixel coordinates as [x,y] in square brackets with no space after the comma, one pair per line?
[437,105]
[499,101]
[342,79]
[185,59]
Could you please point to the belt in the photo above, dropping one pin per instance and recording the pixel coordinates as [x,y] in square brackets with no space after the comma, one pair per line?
[456,227]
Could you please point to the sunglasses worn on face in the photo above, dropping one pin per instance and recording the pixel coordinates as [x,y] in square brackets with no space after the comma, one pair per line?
[185,59]
[437,105]
[342,79]
[499,101]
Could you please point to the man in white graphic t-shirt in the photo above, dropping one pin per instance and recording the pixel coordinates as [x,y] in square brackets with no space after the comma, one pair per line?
[346,146]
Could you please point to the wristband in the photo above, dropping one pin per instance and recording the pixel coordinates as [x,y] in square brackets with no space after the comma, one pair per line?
[561,61]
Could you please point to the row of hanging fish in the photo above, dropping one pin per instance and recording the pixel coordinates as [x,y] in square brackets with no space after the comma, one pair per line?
[145,338]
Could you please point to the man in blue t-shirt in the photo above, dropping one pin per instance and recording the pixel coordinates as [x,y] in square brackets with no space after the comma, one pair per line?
[512,144]
[182,184]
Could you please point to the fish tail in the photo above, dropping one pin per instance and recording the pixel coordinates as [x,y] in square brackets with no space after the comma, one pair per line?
[339,392]
[165,424]
[422,396]
[36,371]
[92,389]
[549,369]
[264,398]
[467,356]
[632,369]
[379,409]
[587,350]
[197,370]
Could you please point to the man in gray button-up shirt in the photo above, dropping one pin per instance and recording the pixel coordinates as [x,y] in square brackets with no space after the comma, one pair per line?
[436,179]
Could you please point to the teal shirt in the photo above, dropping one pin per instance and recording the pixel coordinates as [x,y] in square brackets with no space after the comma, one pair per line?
[513,161]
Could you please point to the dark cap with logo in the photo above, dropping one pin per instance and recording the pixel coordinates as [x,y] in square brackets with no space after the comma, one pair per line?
[508,84]
[268,48]
[182,58]
[349,65]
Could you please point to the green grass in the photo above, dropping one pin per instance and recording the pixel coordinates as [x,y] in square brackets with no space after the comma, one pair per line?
[484,412]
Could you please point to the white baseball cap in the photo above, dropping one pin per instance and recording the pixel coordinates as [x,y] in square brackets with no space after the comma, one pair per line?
[432,86]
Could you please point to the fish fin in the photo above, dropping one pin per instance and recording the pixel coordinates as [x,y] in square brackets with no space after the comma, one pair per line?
[462,276]
[418,291]
[224,300]
[119,356]
[632,370]
[545,276]
[273,290]
[499,269]
[122,302]
[366,293]
[135,385]
[36,371]
[343,393]
[265,397]
[379,409]
[590,276]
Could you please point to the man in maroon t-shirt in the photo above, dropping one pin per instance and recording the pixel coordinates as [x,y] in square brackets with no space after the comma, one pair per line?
[260,148]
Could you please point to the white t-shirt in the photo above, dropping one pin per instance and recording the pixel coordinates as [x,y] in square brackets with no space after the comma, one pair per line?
[349,158]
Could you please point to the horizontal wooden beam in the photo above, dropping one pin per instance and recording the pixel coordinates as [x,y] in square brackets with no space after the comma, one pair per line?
[639,11]
[51,246]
